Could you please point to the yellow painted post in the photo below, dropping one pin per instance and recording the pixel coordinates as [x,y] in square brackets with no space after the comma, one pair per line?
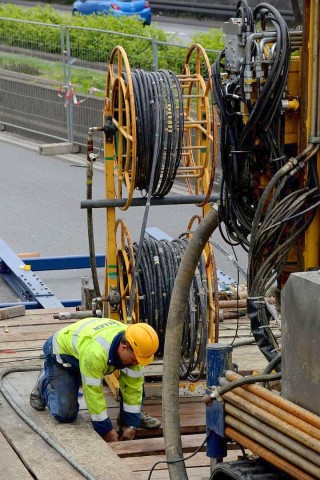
[312,236]
[111,276]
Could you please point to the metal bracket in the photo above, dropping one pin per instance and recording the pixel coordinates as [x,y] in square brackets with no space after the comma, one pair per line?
[27,285]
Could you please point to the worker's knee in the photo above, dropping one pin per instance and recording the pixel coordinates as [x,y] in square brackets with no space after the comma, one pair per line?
[65,417]
[63,408]
[63,413]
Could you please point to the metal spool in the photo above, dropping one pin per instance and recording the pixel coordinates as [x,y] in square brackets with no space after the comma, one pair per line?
[185,102]
[125,264]
[191,92]
[124,117]
[199,151]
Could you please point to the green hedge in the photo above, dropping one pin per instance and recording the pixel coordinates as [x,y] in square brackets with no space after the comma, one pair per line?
[94,46]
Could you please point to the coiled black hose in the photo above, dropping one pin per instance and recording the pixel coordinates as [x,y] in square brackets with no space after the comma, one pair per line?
[160,122]
[159,263]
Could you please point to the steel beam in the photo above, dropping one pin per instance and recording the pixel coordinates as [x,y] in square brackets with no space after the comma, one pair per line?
[26,284]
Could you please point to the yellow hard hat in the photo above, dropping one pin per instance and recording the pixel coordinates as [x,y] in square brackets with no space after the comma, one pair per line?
[144,342]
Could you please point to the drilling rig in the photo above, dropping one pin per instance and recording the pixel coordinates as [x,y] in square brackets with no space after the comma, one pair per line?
[265,111]
[266,89]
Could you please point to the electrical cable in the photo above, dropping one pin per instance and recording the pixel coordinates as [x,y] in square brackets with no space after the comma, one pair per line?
[34,426]
[238,322]
[170,462]
[230,257]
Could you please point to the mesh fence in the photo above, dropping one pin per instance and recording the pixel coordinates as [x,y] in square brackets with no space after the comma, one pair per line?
[31,69]
[52,77]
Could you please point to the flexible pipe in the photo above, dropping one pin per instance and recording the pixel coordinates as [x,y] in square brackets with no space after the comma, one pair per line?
[33,425]
[274,434]
[280,402]
[90,228]
[274,362]
[267,455]
[171,361]
[226,387]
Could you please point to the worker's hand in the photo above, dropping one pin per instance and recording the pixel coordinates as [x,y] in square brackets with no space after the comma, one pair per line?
[111,436]
[128,434]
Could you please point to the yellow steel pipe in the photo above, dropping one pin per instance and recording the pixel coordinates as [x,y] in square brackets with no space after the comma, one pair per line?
[275,399]
[272,433]
[280,424]
[274,446]
[270,457]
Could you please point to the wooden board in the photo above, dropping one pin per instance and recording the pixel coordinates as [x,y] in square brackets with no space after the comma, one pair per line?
[22,450]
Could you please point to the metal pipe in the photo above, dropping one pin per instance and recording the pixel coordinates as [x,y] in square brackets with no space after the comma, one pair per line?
[267,455]
[280,424]
[277,412]
[140,202]
[272,433]
[270,444]
[231,314]
[280,402]
[233,303]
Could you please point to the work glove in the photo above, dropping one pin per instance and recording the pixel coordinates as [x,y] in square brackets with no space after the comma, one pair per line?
[111,436]
[128,434]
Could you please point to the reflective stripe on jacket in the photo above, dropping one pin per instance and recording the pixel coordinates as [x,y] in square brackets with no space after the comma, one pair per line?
[89,340]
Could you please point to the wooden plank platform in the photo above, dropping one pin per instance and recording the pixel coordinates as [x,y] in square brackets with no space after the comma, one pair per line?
[25,455]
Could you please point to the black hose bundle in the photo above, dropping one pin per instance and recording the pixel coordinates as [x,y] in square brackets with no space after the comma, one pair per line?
[267,200]
[160,260]
[251,146]
[276,229]
[160,121]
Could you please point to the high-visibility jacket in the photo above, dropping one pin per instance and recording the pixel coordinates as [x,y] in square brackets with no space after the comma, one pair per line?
[93,342]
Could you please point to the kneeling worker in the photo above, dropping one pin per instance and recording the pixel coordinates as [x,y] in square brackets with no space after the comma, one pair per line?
[82,354]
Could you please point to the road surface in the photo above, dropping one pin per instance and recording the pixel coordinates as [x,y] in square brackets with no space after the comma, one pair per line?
[40,212]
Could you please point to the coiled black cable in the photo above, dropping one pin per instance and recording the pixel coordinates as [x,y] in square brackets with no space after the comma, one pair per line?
[159,263]
[159,133]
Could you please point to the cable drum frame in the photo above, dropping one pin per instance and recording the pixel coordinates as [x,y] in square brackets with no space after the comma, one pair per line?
[197,168]
[199,151]
[124,118]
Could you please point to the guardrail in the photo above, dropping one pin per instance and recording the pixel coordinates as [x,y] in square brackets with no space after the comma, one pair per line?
[209,9]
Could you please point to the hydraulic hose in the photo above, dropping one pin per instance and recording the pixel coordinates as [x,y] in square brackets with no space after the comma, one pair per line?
[174,332]
[90,229]
[40,431]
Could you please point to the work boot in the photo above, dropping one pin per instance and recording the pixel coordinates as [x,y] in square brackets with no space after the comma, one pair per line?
[36,401]
[149,422]
[146,421]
